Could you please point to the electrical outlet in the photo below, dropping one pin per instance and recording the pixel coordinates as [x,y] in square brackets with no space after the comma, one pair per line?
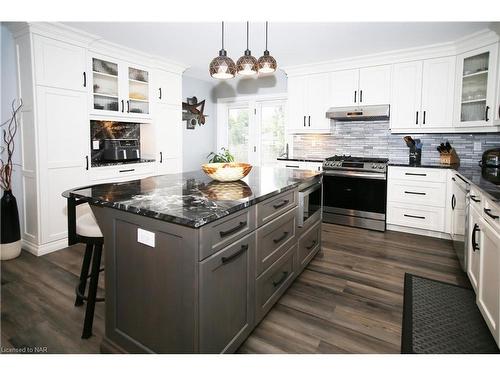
[95,145]
[477,146]
[146,237]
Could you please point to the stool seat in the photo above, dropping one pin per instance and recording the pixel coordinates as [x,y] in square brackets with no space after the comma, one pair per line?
[86,224]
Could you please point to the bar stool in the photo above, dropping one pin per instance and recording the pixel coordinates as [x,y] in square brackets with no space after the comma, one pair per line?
[84,229]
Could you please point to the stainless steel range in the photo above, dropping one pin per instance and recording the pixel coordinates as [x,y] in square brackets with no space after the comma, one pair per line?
[355,191]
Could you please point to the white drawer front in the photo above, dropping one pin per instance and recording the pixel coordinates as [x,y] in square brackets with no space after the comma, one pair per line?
[415,192]
[429,218]
[491,213]
[476,199]
[122,172]
[418,174]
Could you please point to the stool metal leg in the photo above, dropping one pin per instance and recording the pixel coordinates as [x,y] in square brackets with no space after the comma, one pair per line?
[89,313]
[84,274]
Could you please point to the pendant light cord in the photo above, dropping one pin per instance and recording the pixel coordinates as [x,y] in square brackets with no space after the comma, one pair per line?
[266,35]
[222,34]
[247,34]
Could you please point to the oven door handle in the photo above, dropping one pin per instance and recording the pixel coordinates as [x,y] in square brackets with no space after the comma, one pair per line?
[373,176]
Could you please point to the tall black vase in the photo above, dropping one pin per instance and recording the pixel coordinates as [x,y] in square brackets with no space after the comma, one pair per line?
[11,231]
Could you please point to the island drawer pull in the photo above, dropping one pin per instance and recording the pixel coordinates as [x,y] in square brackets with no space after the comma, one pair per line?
[235,255]
[414,192]
[415,217]
[226,233]
[281,280]
[127,170]
[283,236]
[487,212]
[474,198]
[416,174]
[279,205]
[312,245]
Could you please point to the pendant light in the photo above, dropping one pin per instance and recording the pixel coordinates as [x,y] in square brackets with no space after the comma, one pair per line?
[247,64]
[266,63]
[222,66]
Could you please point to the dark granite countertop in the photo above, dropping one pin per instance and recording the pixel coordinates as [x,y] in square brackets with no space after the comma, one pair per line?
[192,198]
[98,163]
[475,175]
[302,160]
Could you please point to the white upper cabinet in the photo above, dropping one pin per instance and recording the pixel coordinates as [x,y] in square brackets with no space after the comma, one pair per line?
[366,86]
[406,95]
[308,103]
[475,90]
[59,64]
[168,125]
[422,95]
[437,92]
[167,87]
[344,88]
[375,85]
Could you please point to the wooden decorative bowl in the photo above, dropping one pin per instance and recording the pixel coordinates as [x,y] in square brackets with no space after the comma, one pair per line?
[226,172]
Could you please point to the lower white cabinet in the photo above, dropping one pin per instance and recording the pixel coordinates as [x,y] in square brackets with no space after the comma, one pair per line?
[315,166]
[472,246]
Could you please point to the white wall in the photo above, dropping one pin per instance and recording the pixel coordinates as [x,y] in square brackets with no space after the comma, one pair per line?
[271,84]
[8,92]
[199,142]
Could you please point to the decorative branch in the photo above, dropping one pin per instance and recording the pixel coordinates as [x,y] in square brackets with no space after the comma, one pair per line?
[9,133]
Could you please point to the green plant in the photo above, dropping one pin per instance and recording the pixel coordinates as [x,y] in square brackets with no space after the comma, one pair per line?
[222,157]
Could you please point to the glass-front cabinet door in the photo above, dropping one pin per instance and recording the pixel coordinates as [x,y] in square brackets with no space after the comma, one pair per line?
[138,91]
[105,85]
[476,87]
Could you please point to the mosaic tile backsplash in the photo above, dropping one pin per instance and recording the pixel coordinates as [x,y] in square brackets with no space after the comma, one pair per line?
[375,139]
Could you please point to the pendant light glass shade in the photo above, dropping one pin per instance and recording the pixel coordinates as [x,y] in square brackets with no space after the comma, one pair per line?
[247,64]
[266,63]
[222,66]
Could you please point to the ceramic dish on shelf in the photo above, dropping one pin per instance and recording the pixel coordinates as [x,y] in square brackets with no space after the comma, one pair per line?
[226,172]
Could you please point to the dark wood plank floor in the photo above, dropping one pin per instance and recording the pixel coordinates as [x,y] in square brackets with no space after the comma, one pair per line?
[348,300]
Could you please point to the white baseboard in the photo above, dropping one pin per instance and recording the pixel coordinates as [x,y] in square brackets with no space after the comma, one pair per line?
[421,232]
[47,248]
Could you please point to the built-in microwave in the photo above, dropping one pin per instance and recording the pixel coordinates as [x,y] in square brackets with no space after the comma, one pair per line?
[310,203]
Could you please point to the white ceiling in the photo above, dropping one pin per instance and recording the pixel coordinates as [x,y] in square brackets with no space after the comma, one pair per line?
[195,44]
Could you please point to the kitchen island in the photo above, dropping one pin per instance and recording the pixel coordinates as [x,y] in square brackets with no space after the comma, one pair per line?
[193,265]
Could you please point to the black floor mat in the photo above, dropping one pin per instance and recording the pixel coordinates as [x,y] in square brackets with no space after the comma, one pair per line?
[441,318]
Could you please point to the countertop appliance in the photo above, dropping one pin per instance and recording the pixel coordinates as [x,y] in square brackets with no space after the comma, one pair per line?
[491,158]
[120,149]
[459,217]
[310,203]
[359,113]
[355,191]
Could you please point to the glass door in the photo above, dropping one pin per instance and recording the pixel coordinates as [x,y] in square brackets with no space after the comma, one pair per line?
[239,133]
[271,130]
[105,85]
[138,91]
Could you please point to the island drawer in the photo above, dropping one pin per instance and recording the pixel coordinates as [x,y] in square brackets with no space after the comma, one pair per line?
[274,238]
[217,235]
[273,282]
[275,206]
[309,244]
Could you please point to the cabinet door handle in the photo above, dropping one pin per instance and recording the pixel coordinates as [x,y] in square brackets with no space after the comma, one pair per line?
[228,259]
[123,106]
[414,192]
[499,111]
[487,212]
[127,170]
[416,118]
[474,244]
[84,79]
[312,245]
[226,233]
[86,162]
[281,280]
[474,198]
[304,120]
[415,217]
[160,93]
[453,201]
[292,166]
[128,106]
[361,96]
[309,120]
[161,157]
[355,96]
[281,238]
[415,174]
[486,114]
[424,119]
[279,205]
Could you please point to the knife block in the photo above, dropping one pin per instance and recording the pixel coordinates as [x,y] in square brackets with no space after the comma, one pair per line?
[449,158]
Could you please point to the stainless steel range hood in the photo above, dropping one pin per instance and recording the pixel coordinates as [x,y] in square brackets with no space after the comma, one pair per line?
[359,113]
